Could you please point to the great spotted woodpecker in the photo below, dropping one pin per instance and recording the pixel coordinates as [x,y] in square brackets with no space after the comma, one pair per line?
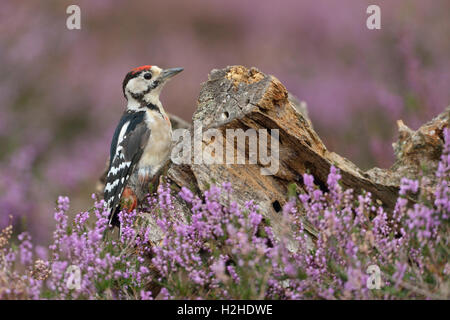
[141,143]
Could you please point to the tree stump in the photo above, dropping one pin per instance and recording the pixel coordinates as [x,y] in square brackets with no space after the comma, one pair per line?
[241,98]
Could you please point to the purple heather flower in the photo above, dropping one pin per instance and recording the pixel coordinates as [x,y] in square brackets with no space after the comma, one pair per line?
[407,185]
[146,295]
[186,195]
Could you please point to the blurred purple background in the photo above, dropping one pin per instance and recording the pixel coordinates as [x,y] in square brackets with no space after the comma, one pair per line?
[60,90]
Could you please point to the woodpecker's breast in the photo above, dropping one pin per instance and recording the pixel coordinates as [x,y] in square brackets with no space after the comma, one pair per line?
[157,150]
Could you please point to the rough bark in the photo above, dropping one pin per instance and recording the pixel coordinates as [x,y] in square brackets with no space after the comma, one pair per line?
[237,97]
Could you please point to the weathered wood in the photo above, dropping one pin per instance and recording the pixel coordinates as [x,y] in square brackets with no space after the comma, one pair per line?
[236,97]
[417,152]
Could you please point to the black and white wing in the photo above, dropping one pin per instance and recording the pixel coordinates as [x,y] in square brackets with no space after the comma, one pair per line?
[127,146]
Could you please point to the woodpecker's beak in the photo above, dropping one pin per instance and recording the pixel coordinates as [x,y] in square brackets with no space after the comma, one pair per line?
[169,73]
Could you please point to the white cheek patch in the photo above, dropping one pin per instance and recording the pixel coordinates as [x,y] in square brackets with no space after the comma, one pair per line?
[137,85]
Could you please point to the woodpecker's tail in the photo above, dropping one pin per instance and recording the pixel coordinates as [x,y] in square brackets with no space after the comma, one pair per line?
[114,217]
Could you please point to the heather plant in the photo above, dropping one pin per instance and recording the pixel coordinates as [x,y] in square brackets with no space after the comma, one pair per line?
[409,245]
[217,253]
[107,267]
[227,252]
[221,250]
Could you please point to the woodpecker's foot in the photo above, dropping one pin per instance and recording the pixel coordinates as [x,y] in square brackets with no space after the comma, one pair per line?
[129,199]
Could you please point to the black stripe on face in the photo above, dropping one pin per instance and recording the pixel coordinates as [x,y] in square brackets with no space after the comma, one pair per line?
[153,107]
[130,75]
[134,74]
[140,96]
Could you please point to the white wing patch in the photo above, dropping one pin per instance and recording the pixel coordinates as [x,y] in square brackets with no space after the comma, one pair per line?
[122,136]
[123,165]
[110,186]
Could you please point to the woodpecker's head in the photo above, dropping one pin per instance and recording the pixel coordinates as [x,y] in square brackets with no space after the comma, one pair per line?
[143,84]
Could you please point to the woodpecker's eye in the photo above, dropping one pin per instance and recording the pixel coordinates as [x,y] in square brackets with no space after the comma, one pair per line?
[148,76]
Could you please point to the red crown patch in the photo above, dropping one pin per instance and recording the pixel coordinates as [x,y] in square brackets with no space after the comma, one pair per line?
[141,68]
